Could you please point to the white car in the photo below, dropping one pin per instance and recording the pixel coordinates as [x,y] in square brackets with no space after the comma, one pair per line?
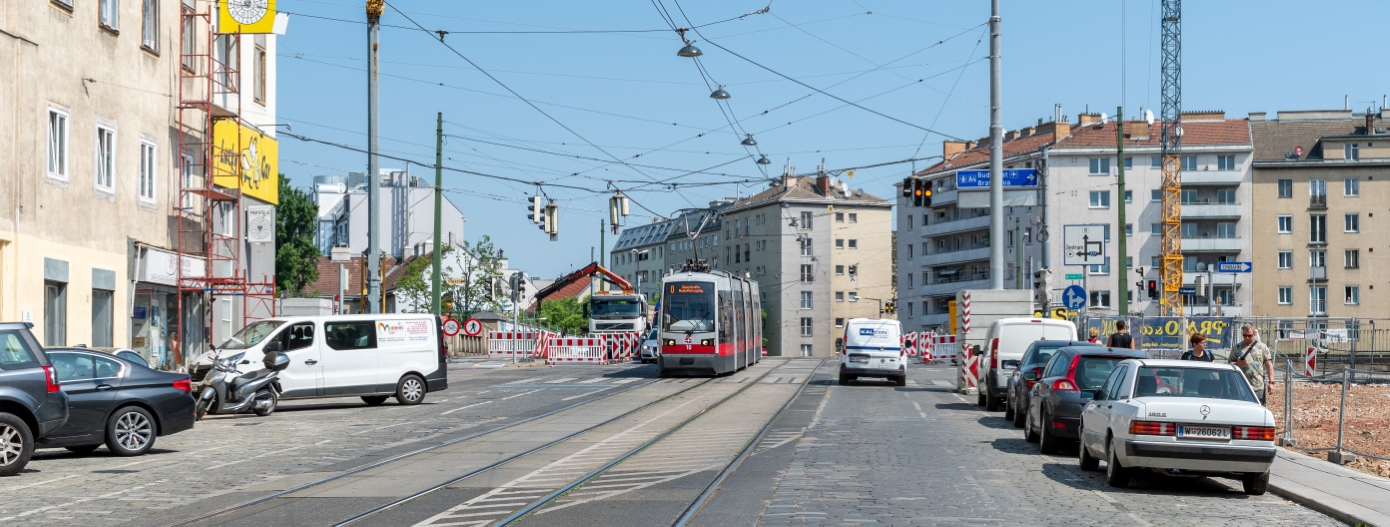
[651,347]
[1178,418]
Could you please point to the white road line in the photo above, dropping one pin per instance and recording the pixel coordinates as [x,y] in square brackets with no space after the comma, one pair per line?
[377,428]
[923,414]
[591,381]
[523,381]
[561,380]
[1104,497]
[40,483]
[625,381]
[528,392]
[469,406]
[917,406]
[571,398]
[253,457]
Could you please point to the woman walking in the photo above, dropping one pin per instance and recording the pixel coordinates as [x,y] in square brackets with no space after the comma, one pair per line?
[1199,349]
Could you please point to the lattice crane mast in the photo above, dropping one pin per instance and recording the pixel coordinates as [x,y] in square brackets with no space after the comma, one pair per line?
[1170,303]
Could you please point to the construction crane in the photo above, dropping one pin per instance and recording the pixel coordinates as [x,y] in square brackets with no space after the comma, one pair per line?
[1170,302]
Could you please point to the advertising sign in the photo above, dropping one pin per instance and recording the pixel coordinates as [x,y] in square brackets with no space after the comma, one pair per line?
[402,330]
[1168,332]
[161,267]
[246,159]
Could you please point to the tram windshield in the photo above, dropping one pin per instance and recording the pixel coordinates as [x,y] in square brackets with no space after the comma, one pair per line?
[614,308]
[688,306]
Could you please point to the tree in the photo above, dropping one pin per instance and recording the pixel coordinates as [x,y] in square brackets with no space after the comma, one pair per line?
[296,256]
[566,314]
[471,282]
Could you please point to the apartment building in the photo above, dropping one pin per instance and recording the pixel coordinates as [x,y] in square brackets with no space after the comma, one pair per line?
[1315,199]
[695,236]
[640,255]
[405,223]
[821,254]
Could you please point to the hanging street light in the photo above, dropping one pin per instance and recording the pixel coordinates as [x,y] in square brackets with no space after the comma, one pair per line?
[763,160]
[749,141]
[719,93]
[689,51]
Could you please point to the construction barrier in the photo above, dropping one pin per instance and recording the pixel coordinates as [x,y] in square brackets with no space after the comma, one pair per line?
[509,344]
[944,347]
[568,350]
[1310,362]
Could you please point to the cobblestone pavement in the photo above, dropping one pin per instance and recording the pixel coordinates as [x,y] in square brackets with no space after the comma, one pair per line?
[874,454]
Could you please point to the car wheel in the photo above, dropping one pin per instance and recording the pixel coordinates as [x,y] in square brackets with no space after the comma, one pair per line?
[1255,483]
[901,380]
[844,379]
[980,399]
[84,449]
[274,402]
[16,444]
[410,390]
[1028,434]
[1009,410]
[374,400]
[1088,463]
[1115,475]
[130,431]
[1019,415]
[991,402]
[1047,442]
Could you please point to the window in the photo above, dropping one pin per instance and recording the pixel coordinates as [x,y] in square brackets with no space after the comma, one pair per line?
[1106,230]
[806,247]
[1102,268]
[1129,196]
[1100,166]
[103,320]
[1028,235]
[1317,258]
[909,280]
[839,296]
[1189,163]
[188,40]
[1225,162]
[1351,152]
[839,243]
[1156,195]
[149,24]
[854,244]
[260,65]
[1351,223]
[806,220]
[805,300]
[1226,230]
[853,217]
[1317,228]
[1353,295]
[110,13]
[909,222]
[1010,236]
[1351,187]
[1317,187]
[853,296]
[1351,258]
[1129,163]
[1317,297]
[1286,259]
[1189,230]
[1129,229]
[105,159]
[840,322]
[353,335]
[1155,162]
[909,251]
[807,274]
[57,144]
[1100,299]
[806,326]
[1154,262]
[147,171]
[1156,229]
[1286,188]
[1129,262]
[839,270]
[228,56]
[1226,196]
[74,366]
[839,217]
[55,314]
[1189,196]
[1285,295]
[1100,199]
[1286,224]
[805,350]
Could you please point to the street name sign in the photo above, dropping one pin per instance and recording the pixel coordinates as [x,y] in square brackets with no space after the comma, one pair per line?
[1234,267]
[1083,244]
[1074,276]
[1187,290]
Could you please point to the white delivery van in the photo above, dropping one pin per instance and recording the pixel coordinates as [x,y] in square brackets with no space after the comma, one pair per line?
[369,356]
[1005,344]
[873,348]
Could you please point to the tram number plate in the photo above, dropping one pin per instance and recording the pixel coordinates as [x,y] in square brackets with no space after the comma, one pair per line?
[859,359]
[1204,432]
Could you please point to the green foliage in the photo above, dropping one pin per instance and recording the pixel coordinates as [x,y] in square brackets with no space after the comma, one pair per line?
[566,314]
[296,256]
[472,282]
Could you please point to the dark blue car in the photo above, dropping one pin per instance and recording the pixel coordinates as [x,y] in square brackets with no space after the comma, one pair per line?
[32,403]
[117,402]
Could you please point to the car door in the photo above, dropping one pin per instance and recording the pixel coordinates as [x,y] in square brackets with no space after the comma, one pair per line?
[89,396]
[1095,417]
[304,376]
[1124,408]
[349,357]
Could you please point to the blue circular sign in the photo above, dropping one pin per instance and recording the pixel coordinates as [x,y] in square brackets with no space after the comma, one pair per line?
[1074,297]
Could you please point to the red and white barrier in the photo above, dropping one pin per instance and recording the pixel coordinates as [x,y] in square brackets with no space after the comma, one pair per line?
[569,350]
[505,344]
[1310,362]
[909,344]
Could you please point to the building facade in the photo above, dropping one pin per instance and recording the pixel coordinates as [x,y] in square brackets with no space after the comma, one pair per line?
[406,220]
[639,255]
[1315,199]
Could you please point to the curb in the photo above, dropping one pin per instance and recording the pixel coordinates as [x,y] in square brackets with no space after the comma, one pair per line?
[1339,509]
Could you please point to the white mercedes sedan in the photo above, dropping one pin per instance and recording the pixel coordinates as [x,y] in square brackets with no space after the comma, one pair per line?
[1180,418]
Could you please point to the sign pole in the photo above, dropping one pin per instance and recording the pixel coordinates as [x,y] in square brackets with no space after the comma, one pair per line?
[1123,255]
[436,263]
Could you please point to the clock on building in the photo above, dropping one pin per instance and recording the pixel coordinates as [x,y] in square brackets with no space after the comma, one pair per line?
[247,11]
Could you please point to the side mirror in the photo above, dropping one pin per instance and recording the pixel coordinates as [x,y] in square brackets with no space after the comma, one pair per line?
[273,346]
[976,350]
[1099,396]
[1030,376]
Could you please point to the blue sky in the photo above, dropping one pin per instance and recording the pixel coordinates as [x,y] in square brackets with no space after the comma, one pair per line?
[619,95]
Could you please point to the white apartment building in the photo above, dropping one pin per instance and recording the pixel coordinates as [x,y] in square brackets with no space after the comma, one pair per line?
[406,220]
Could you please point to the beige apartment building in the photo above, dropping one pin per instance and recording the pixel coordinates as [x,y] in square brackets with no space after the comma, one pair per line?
[1320,177]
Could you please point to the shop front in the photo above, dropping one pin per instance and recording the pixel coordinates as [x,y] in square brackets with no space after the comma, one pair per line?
[156,315]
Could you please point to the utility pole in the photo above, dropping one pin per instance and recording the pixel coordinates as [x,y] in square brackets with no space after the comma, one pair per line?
[1124,252]
[435,304]
[1018,253]
[374,10]
[602,286]
[996,158]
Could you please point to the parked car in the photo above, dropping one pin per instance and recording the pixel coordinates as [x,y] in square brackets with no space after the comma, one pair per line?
[370,356]
[1178,417]
[1005,343]
[651,347]
[1039,352]
[117,402]
[32,402]
[1066,384]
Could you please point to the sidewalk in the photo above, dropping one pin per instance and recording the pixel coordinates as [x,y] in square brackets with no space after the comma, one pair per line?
[1342,493]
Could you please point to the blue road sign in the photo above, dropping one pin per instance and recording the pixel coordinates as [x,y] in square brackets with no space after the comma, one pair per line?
[1234,267]
[1074,297]
[1013,177]
[1187,290]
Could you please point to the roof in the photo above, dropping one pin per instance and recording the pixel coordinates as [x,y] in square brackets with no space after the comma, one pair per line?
[1194,133]
[1092,349]
[648,234]
[980,154]
[327,284]
[805,188]
[1275,140]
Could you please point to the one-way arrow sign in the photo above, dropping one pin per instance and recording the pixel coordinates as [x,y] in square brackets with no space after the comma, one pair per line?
[1234,267]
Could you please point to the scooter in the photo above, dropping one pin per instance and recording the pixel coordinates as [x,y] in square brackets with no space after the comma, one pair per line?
[226,390]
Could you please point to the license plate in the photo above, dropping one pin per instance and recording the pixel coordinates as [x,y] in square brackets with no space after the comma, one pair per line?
[859,359]
[1204,432]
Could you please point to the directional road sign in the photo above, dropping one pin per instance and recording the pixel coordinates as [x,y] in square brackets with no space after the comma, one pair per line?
[1187,290]
[1074,297]
[1234,267]
[1083,244]
[1013,177]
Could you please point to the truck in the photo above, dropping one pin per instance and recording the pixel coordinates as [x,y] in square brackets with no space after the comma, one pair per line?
[613,312]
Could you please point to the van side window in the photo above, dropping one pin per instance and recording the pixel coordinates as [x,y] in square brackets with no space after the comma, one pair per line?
[298,336]
[350,335]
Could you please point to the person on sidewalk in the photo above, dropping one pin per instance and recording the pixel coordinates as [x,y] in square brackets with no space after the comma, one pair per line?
[1254,360]
[1121,337]
[1095,336]
[1199,349]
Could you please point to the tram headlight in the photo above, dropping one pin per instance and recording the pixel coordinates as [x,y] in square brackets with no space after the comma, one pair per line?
[707,342]
[668,342]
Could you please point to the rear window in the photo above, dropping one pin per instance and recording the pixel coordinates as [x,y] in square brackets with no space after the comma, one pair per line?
[1041,356]
[1092,371]
[1192,382]
[15,353]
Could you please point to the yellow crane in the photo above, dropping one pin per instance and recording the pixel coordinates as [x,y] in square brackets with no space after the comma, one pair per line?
[1170,300]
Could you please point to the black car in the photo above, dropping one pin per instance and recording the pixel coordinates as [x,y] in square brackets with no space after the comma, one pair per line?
[117,402]
[1039,352]
[32,403]
[1069,380]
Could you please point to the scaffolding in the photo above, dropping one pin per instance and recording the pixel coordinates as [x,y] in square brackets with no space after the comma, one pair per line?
[211,217]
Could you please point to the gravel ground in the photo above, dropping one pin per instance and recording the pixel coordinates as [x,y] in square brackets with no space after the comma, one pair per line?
[1315,416]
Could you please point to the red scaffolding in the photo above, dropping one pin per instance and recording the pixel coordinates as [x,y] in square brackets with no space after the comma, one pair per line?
[211,217]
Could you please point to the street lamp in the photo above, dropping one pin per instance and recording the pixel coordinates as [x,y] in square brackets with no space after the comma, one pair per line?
[749,141]
[719,93]
[764,160]
[689,51]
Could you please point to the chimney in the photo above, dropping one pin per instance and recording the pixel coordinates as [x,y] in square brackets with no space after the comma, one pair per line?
[969,145]
[788,180]
[1204,115]
[1087,119]
[1027,132]
[1256,117]
[982,142]
[1138,130]
[1058,130]
[1370,122]
[1011,135]
[950,148]
[823,183]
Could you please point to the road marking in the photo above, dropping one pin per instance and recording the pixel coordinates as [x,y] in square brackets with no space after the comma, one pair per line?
[591,381]
[561,380]
[253,457]
[824,400]
[528,392]
[923,414]
[917,406]
[1104,497]
[40,483]
[523,381]
[625,381]
[571,398]
[914,382]
[462,407]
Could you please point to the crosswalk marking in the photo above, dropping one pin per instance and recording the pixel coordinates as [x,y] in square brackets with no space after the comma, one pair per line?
[591,381]
[561,380]
[523,381]
[625,381]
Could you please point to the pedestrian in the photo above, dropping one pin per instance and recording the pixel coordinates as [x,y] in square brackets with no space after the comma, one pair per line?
[1199,349]
[1095,336]
[1254,360]
[1121,337]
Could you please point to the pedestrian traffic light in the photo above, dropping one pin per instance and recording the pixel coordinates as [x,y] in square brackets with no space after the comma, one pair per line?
[907,188]
[1153,288]
[537,214]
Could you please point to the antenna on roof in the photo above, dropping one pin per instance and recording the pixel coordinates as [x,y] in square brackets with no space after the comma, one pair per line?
[1149,117]
[1104,118]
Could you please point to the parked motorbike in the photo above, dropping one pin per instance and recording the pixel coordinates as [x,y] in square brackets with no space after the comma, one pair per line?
[226,390]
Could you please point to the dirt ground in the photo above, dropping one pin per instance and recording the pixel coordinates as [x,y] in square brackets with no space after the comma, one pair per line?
[1315,418]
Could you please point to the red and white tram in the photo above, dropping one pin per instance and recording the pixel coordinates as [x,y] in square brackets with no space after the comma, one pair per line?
[710,322]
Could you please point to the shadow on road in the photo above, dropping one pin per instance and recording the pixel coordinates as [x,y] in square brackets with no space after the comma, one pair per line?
[1143,482]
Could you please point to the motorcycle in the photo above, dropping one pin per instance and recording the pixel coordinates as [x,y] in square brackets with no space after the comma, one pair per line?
[226,390]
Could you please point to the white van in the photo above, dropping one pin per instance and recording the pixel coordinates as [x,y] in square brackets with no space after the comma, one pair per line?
[873,348]
[1005,344]
[370,356]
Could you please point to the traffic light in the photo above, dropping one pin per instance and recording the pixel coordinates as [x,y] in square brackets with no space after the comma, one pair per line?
[1153,288]
[926,194]
[537,214]
[907,188]
[552,220]
[917,193]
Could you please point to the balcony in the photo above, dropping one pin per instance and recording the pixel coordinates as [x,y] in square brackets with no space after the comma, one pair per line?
[939,319]
[944,286]
[1210,211]
[969,254]
[1213,178]
[943,197]
[955,226]
[1317,202]
[1211,245]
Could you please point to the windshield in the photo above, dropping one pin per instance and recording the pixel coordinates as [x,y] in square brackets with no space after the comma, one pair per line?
[1192,382]
[1092,371]
[654,335]
[251,335]
[688,306]
[611,308]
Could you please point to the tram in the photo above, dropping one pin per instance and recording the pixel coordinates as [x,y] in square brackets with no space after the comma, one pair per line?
[710,322]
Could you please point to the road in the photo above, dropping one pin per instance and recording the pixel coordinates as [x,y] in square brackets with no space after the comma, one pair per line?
[530,442]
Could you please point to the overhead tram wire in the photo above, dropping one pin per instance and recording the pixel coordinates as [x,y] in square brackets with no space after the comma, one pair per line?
[948,97]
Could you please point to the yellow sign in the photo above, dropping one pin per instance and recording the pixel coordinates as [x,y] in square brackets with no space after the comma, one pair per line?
[246,16]
[951,313]
[247,159]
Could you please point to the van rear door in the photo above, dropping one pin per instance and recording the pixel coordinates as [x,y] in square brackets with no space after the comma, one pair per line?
[874,338]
